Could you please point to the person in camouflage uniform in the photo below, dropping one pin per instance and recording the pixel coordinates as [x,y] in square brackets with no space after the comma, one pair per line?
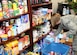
[68,22]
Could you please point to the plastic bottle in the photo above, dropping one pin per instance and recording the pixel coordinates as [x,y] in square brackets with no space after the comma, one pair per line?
[9,31]
[1,14]
[64,10]
[10,8]
[2,50]
[15,8]
[5,9]
[67,11]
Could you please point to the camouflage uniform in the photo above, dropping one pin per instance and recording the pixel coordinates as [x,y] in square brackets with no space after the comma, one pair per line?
[69,22]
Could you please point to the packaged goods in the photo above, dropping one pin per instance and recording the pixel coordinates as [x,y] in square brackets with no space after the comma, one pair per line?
[2,50]
[8,51]
[15,8]
[10,5]
[1,14]
[5,9]
[4,37]
[26,37]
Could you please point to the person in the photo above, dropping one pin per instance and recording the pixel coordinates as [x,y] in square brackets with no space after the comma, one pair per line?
[68,22]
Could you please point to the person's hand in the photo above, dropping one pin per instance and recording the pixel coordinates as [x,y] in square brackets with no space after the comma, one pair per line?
[64,36]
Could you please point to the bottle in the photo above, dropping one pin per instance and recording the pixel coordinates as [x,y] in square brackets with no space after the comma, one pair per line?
[2,50]
[14,30]
[21,6]
[56,40]
[67,11]
[9,31]
[15,8]
[1,14]
[64,10]
[5,9]
[10,8]
[7,26]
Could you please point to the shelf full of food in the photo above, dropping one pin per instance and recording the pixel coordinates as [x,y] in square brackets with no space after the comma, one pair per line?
[41,30]
[15,46]
[12,9]
[41,15]
[13,28]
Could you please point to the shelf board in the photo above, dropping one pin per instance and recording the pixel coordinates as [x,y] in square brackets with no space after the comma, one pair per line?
[9,39]
[41,37]
[42,4]
[39,24]
[14,17]
[13,37]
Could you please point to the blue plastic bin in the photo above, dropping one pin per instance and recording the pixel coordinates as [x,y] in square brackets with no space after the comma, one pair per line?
[56,47]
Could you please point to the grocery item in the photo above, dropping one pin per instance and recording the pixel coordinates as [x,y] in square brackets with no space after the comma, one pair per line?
[5,9]
[2,50]
[4,37]
[1,14]
[10,5]
[15,8]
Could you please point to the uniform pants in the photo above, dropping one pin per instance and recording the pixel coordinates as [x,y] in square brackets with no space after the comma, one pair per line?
[74,53]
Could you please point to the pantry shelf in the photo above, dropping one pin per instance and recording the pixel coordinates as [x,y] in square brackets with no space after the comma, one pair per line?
[13,37]
[38,24]
[14,17]
[41,37]
[42,4]
[9,39]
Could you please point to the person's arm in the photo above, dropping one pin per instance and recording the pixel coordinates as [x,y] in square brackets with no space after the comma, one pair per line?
[58,30]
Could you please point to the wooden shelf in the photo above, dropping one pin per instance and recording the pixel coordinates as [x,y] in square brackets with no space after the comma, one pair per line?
[14,17]
[42,4]
[30,30]
[41,37]
[9,39]
[38,24]
[13,37]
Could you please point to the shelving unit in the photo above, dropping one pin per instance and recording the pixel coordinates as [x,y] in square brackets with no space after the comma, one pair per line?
[17,36]
[13,37]
[29,30]
[35,7]
[31,7]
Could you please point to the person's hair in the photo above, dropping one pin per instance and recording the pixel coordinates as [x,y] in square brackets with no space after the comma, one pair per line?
[55,18]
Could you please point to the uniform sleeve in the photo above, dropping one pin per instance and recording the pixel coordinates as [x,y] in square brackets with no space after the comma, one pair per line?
[58,30]
[72,29]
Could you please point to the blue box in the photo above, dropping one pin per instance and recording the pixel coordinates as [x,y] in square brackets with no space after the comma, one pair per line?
[56,47]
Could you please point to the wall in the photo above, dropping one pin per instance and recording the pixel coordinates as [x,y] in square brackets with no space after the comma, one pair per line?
[55,4]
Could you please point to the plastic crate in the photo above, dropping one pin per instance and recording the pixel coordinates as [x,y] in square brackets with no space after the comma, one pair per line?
[56,47]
